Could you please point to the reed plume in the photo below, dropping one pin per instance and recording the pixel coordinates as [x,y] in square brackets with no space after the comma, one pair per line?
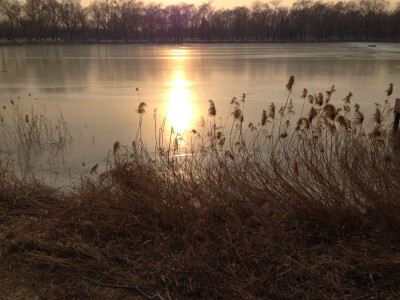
[116,147]
[302,121]
[141,108]
[330,111]
[264,118]
[312,114]
[320,99]
[237,113]
[347,98]
[389,91]
[305,92]
[271,111]
[377,116]
[290,83]
[331,90]
[211,110]
[358,117]
[234,101]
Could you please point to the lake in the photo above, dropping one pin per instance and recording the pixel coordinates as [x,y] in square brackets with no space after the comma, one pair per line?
[94,86]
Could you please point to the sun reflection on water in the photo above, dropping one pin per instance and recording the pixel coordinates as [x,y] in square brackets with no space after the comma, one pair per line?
[179,54]
[180,108]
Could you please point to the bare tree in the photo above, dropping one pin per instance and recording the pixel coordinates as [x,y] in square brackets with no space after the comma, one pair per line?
[240,18]
[37,17]
[11,9]
[371,12]
[70,11]
[300,14]
[260,15]
[152,19]
[97,15]
[53,11]
[275,17]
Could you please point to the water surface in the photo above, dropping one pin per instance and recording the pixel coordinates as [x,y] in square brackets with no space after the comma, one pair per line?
[95,85]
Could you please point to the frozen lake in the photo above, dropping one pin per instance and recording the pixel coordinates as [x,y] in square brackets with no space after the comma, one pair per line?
[95,85]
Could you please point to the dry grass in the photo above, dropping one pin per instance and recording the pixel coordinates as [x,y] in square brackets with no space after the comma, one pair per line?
[26,132]
[266,210]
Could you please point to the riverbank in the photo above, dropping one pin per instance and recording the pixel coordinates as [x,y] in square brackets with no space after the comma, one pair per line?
[247,211]
[130,235]
[23,42]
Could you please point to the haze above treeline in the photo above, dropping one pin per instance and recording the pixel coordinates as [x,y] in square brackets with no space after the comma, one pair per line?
[130,21]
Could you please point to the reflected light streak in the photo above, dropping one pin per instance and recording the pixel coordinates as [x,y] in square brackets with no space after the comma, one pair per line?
[179,54]
[180,108]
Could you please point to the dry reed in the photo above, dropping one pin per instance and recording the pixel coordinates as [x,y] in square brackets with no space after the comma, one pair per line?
[305,212]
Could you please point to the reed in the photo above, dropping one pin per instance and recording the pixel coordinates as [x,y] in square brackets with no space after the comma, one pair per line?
[26,131]
[304,207]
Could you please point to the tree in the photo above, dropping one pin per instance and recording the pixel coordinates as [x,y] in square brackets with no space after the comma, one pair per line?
[275,18]
[37,17]
[70,16]
[131,19]
[394,23]
[240,20]
[300,14]
[97,13]
[152,19]
[372,12]
[260,13]
[53,11]
[219,28]
[204,13]
[11,9]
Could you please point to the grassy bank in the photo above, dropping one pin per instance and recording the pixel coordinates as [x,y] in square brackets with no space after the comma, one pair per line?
[302,206]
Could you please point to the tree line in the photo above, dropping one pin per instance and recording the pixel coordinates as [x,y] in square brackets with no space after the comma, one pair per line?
[131,20]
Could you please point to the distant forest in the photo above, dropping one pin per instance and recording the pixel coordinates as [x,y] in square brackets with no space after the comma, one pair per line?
[130,20]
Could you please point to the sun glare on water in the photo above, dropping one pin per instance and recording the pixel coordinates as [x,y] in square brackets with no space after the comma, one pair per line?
[180,107]
[179,54]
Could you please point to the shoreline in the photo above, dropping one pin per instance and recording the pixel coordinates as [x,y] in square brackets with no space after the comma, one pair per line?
[144,42]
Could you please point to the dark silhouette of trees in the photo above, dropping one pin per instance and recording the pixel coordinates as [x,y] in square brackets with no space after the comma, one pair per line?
[53,11]
[260,21]
[394,24]
[36,16]
[11,10]
[132,20]
[71,16]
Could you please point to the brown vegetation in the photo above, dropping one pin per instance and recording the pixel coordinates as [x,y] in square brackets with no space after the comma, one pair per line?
[273,212]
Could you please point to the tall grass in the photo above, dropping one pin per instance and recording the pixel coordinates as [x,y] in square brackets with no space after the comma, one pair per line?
[328,159]
[292,206]
[26,132]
